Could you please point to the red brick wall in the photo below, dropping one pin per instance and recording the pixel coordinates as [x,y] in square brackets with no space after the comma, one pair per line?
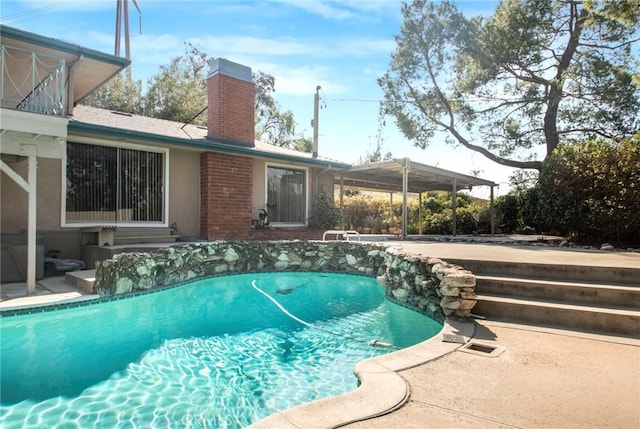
[225,196]
[231,109]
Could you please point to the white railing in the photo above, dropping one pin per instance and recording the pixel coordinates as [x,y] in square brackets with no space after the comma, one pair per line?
[32,81]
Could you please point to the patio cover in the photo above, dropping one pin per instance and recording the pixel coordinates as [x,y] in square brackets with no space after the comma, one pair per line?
[404,175]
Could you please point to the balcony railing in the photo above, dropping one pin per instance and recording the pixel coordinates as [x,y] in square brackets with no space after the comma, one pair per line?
[32,81]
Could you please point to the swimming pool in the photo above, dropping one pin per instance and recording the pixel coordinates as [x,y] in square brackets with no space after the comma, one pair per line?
[216,352]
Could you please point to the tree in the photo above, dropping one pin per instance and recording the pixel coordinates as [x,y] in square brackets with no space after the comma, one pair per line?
[377,154]
[118,94]
[179,91]
[303,144]
[533,74]
[273,126]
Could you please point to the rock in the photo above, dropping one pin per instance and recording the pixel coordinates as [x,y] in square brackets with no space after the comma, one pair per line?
[457,279]
[400,294]
[449,291]
[123,285]
[231,255]
[351,260]
[451,303]
[607,247]
[221,268]
[281,265]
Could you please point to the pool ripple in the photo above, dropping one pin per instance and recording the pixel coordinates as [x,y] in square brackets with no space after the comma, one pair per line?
[223,381]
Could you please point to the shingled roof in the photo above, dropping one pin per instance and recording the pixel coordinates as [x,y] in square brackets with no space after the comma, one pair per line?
[104,122]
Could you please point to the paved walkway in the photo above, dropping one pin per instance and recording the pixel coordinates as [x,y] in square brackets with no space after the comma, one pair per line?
[533,253]
[544,377]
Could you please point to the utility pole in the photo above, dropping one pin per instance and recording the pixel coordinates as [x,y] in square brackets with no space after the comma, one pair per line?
[314,122]
[122,12]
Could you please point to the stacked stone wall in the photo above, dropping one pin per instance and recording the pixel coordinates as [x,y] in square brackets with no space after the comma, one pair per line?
[427,284]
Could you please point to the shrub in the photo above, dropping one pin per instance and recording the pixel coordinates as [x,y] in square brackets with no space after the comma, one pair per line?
[323,213]
[591,191]
[507,213]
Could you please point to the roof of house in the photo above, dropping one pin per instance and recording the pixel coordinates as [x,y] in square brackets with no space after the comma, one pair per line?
[116,125]
[383,175]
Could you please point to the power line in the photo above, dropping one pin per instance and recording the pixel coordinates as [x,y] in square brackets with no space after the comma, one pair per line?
[36,10]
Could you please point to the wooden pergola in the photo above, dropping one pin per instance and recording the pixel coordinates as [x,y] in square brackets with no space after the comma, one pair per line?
[406,176]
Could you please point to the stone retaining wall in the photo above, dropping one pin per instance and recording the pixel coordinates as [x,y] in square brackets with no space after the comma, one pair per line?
[427,284]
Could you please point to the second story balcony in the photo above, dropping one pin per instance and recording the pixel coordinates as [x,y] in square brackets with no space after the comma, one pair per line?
[32,81]
[49,76]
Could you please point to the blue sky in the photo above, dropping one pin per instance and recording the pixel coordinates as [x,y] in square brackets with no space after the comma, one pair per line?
[343,46]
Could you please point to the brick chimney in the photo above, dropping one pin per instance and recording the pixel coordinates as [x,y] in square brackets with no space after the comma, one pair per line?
[226,179]
[231,102]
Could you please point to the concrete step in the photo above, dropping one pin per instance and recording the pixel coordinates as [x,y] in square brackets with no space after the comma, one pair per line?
[145,239]
[82,280]
[144,235]
[617,296]
[141,232]
[568,273]
[584,318]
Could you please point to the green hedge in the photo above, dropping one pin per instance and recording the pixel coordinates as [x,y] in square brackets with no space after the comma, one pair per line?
[591,191]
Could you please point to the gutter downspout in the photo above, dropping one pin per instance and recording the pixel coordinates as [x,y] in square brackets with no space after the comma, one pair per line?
[71,85]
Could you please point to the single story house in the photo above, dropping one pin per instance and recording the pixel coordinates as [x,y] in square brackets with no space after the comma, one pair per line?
[82,177]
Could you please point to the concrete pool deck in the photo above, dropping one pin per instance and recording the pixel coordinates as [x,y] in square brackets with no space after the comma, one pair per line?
[544,377]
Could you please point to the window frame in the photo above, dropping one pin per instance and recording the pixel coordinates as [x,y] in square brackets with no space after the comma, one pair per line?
[120,145]
[307,188]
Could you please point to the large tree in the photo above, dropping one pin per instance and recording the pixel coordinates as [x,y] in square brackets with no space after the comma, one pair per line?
[533,74]
[118,94]
[179,91]
[273,126]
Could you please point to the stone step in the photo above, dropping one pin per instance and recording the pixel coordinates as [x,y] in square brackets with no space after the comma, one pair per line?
[568,273]
[82,280]
[584,318]
[618,296]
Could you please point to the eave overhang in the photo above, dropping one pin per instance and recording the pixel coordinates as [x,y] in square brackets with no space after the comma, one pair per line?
[117,134]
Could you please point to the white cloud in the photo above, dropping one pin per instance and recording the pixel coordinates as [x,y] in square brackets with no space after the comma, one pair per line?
[348,9]
[288,46]
[301,81]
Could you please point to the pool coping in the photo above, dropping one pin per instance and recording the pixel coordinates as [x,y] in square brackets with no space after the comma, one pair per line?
[382,390]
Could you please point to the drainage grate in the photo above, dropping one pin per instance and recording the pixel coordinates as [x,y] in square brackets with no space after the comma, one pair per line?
[481,349]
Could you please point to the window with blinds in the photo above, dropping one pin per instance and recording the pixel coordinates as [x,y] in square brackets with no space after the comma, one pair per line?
[114,185]
[286,195]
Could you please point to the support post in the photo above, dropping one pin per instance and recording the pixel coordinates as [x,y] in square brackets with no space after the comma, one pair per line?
[492,213]
[316,103]
[454,197]
[342,202]
[31,226]
[420,213]
[405,190]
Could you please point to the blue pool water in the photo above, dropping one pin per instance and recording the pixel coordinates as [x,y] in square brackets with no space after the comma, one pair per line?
[214,353]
